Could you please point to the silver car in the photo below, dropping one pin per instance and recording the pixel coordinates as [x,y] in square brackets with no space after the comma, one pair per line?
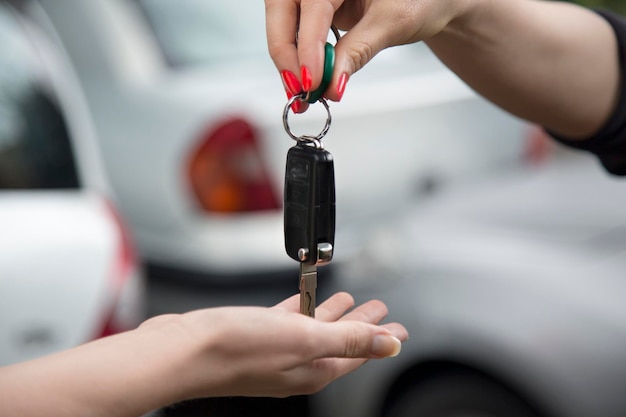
[513,294]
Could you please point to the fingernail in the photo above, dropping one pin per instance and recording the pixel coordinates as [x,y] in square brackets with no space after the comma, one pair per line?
[306,78]
[291,81]
[296,106]
[384,346]
[341,85]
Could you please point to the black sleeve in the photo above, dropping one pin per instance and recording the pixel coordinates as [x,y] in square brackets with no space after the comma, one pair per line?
[609,144]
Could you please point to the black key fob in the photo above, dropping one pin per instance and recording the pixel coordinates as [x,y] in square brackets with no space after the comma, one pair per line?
[309,208]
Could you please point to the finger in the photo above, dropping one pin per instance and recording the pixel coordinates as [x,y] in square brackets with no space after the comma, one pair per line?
[316,17]
[373,33]
[354,339]
[333,368]
[291,304]
[398,330]
[298,106]
[323,371]
[330,310]
[372,312]
[334,307]
[281,22]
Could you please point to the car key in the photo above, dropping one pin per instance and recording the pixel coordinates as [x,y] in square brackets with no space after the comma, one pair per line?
[309,194]
[309,214]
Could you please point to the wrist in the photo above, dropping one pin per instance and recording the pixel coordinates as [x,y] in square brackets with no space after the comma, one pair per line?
[128,374]
[144,370]
[179,353]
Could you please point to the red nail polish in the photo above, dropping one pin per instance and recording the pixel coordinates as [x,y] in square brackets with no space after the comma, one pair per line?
[341,85]
[296,106]
[291,81]
[306,78]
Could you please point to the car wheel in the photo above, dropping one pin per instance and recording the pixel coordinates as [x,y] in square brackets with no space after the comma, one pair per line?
[458,395]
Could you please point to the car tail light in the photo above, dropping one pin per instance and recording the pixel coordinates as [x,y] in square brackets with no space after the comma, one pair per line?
[125,259]
[227,173]
[122,269]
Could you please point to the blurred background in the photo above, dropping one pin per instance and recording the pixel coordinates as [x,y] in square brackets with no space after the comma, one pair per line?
[142,158]
[615,5]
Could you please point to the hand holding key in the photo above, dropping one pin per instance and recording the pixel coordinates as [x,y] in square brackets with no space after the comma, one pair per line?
[257,351]
[226,351]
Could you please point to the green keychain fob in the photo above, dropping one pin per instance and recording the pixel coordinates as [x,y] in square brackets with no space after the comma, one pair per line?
[329,64]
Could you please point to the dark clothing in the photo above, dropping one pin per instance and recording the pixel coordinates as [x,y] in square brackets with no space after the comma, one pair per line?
[609,144]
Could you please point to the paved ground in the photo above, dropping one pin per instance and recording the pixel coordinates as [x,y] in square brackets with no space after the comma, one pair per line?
[240,407]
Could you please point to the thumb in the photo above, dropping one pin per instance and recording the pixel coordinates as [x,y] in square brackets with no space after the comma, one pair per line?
[354,50]
[354,339]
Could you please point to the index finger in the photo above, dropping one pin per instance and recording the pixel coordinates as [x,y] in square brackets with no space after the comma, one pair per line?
[291,304]
[281,26]
[316,17]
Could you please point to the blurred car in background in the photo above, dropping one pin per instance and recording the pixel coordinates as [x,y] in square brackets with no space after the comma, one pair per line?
[513,294]
[68,273]
[188,109]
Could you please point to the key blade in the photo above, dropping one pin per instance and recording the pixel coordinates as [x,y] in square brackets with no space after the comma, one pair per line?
[308,286]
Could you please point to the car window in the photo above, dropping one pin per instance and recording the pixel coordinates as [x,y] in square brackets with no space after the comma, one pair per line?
[35,147]
[193,32]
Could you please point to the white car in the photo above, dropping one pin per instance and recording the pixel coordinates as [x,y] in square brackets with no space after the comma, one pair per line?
[188,108]
[68,273]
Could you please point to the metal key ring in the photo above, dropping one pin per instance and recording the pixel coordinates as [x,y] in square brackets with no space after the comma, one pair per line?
[315,140]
